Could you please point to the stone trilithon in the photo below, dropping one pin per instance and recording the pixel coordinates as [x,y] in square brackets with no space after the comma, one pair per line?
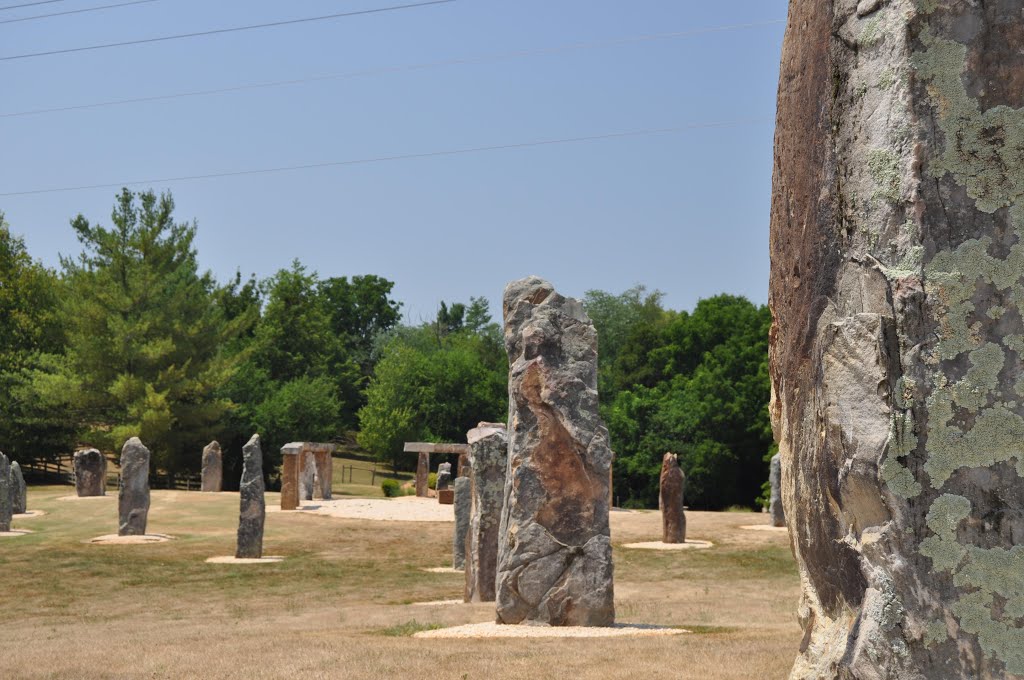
[897,246]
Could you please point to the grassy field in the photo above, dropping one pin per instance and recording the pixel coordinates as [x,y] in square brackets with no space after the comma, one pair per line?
[341,604]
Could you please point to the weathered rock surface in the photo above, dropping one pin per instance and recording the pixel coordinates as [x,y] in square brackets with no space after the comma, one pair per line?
[670,500]
[462,503]
[213,468]
[90,473]
[444,476]
[290,455]
[897,247]
[6,511]
[775,507]
[422,474]
[253,509]
[133,489]
[489,446]
[19,492]
[307,473]
[324,461]
[554,554]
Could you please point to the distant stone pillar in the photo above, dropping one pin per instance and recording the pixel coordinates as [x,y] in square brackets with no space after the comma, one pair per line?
[462,508]
[324,461]
[290,476]
[19,500]
[555,536]
[444,476]
[90,473]
[489,446]
[670,500]
[253,508]
[422,474]
[133,489]
[6,511]
[213,467]
[307,473]
[775,509]
[464,465]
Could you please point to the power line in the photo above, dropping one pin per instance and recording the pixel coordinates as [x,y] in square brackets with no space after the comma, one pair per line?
[30,4]
[400,157]
[403,68]
[75,11]
[218,31]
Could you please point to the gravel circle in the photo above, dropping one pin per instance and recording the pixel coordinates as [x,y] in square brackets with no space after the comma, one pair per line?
[494,630]
[114,539]
[231,559]
[658,545]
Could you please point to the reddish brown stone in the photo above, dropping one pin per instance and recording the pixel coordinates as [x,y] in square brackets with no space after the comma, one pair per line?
[673,488]
[446,496]
[290,455]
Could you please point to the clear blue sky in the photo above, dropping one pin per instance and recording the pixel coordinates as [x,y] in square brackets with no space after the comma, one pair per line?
[684,212]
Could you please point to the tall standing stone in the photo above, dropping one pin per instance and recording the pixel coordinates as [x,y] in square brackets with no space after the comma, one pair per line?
[897,284]
[775,507]
[133,489]
[422,474]
[6,511]
[290,455]
[253,506]
[19,492]
[213,468]
[90,473]
[324,461]
[444,476]
[670,500]
[555,553]
[489,445]
[462,508]
[307,473]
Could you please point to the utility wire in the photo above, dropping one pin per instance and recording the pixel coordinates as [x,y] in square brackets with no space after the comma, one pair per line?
[409,156]
[403,68]
[75,11]
[233,29]
[30,4]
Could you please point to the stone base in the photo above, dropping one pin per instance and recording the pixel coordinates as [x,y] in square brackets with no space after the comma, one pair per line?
[30,514]
[444,570]
[658,545]
[114,539]
[88,498]
[436,603]
[228,559]
[446,496]
[495,630]
[765,527]
[13,533]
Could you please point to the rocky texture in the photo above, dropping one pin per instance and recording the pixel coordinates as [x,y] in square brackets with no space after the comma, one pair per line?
[897,245]
[489,446]
[324,461]
[253,509]
[444,476]
[554,554]
[462,502]
[446,496]
[6,511]
[90,473]
[670,500]
[133,489]
[19,492]
[775,507]
[307,473]
[213,468]
[290,455]
[422,474]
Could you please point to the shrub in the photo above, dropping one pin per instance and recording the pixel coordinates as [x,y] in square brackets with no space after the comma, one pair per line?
[391,488]
[432,480]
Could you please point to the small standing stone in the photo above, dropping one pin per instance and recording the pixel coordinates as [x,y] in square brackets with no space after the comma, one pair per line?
[133,490]
[488,443]
[422,474]
[213,467]
[290,475]
[462,508]
[444,476]
[775,510]
[673,488]
[253,507]
[5,494]
[90,473]
[19,500]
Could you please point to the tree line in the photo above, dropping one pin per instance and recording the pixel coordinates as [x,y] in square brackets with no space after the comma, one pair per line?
[131,338]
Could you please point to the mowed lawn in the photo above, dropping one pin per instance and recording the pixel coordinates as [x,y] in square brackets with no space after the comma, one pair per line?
[341,605]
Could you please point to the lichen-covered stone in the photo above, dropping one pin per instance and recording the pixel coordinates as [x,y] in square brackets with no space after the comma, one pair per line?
[90,473]
[253,510]
[6,511]
[554,554]
[444,476]
[133,489]
[670,499]
[213,468]
[488,444]
[897,246]
[461,501]
[776,509]
[19,492]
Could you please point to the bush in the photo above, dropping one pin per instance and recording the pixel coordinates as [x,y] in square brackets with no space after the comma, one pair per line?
[432,480]
[391,488]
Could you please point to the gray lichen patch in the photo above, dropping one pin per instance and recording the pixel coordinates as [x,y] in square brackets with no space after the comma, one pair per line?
[884,166]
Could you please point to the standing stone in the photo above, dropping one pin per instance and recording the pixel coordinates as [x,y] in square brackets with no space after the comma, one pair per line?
[213,468]
[422,474]
[324,461]
[290,454]
[307,473]
[462,503]
[897,285]
[463,469]
[19,493]
[90,473]
[489,446]
[670,500]
[775,508]
[555,553]
[253,507]
[133,489]
[6,511]
[444,476]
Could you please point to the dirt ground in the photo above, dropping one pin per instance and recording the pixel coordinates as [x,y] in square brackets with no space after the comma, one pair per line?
[341,604]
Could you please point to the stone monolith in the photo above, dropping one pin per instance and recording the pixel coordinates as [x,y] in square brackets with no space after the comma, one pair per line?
[133,489]
[670,500]
[897,281]
[90,473]
[19,492]
[489,446]
[461,502]
[324,461]
[775,507]
[6,511]
[253,509]
[307,473]
[422,474]
[213,468]
[290,457]
[554,554]
[444,476]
